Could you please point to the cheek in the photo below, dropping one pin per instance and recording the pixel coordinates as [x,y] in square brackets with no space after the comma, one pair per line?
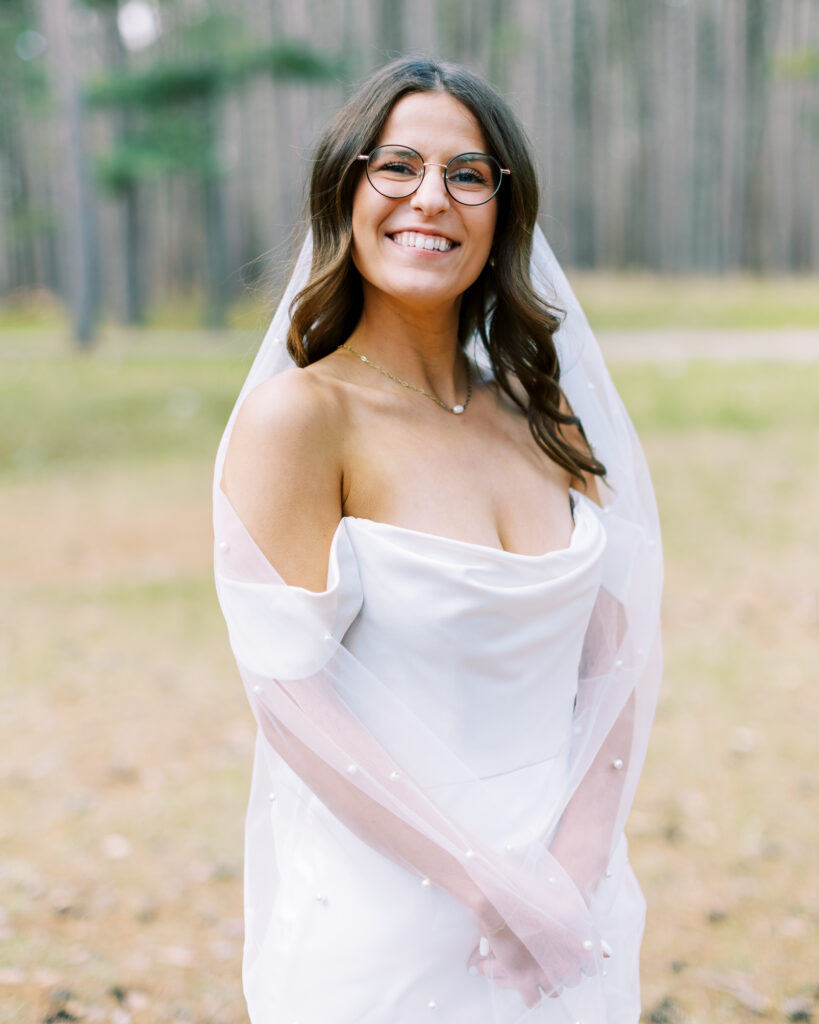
[492,222]
[484,231]
[369,208]
[366,217]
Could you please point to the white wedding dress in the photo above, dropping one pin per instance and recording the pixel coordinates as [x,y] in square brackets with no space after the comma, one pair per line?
[465,713]
[483,647]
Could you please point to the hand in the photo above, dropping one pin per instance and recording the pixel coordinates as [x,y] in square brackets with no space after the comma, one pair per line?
[507,961]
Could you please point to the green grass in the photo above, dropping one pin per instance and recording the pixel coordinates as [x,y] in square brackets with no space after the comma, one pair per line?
[731,302]
[707,395]
[613,300]
[38,310]
[89,409]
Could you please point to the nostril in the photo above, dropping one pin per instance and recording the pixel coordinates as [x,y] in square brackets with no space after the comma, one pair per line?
[438,194]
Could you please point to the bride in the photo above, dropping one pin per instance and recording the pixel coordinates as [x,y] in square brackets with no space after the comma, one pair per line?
[437,557]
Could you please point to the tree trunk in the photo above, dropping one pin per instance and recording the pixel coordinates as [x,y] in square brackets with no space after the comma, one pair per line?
[391,27]
[582,183]
[216,245]
[760,31]
[82,256]
[133,311]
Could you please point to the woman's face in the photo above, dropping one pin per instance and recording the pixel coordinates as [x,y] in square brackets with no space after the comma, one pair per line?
[438,127]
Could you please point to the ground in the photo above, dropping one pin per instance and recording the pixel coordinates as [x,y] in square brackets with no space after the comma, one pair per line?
[125,739]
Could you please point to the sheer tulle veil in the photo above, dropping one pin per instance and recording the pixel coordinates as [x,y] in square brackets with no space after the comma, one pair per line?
[305,688]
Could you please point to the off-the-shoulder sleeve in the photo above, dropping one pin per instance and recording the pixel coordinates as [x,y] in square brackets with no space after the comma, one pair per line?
[277,631]
[624,539]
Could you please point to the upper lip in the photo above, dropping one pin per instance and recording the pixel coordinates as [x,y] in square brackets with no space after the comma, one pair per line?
[432,232]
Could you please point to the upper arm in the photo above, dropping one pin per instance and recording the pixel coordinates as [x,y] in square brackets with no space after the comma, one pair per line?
[283,472]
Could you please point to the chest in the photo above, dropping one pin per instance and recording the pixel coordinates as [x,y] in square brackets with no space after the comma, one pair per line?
[479,477]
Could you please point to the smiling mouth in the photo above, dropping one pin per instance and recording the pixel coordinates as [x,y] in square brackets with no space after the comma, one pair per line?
[417,240]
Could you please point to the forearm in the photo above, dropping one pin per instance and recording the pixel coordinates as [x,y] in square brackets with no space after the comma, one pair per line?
[344,790]
[583,841]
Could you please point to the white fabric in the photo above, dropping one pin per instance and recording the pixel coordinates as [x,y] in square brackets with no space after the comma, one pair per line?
[444,708]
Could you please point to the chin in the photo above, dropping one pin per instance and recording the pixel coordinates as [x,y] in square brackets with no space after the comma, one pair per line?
[422,286]
[422,295]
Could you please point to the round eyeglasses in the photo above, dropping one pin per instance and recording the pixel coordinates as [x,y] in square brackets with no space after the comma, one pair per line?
[397,171]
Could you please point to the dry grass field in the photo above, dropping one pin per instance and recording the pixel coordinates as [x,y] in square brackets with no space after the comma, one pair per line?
[125,740]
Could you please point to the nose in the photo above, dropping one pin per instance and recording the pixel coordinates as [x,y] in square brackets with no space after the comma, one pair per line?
[431,195]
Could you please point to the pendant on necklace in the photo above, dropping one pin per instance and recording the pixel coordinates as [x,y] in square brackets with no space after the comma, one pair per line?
[457,409]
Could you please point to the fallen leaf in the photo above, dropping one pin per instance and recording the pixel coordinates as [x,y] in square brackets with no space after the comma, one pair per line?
[177,956]
[136,1000]
[221,949]
[44,978]
[740,986]
[116,847]
[742,740]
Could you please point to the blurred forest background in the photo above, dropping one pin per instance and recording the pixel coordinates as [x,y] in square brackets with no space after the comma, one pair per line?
[152,152]
[152,160]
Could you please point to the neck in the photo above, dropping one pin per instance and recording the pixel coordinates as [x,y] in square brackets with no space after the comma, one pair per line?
[421,346]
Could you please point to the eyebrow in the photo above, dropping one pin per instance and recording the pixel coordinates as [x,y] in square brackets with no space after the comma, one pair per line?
[412,149]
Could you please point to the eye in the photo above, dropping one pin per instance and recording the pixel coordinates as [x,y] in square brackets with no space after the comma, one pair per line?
[394,166]
[471,172]
[467,176]
[394,162]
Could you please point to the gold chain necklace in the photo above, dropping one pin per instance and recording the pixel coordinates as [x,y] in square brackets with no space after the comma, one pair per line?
[457,409]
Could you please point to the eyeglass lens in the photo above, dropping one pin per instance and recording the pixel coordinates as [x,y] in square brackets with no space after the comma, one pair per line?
[396,172]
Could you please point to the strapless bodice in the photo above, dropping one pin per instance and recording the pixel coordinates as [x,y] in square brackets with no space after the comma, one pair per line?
[482,645]
[469,636]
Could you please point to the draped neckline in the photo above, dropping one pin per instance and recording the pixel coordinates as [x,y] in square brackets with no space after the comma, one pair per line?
[436,539]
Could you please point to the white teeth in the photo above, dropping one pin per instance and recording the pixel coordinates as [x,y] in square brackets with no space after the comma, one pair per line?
[415,240]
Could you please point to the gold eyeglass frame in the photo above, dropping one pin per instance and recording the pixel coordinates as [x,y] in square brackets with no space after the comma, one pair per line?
[428,163]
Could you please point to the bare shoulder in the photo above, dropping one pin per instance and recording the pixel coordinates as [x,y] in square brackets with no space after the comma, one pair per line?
[283,472]
[296,402]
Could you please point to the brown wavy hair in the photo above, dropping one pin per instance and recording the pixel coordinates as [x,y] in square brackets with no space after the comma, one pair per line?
[515,324]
